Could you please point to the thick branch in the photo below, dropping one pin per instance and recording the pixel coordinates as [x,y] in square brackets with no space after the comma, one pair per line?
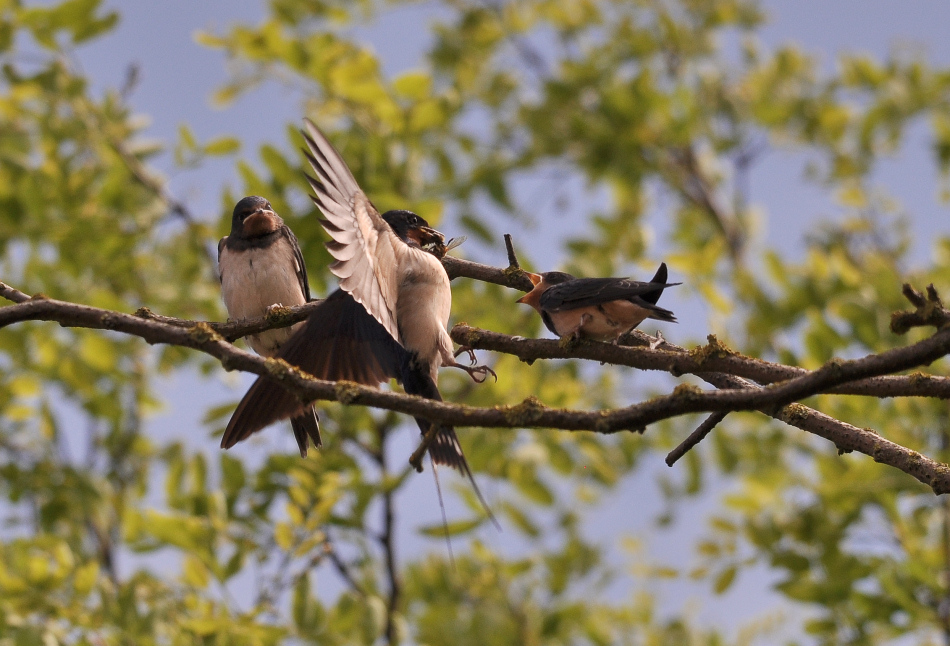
[233,330]
[739,394]
[531,412]
[714,357]
[845,436]
[685,399]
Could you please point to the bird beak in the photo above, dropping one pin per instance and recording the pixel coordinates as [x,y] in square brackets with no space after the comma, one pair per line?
[260,222]
[426,235]
[535,280]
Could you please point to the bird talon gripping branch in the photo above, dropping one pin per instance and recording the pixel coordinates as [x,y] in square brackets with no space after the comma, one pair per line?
[657,341]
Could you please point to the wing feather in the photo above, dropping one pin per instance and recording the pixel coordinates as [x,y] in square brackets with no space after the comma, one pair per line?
[586,292]
[364,246]
[300,268]
[338,341]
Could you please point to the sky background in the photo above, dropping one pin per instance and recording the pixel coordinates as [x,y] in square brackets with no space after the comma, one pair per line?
[177,77]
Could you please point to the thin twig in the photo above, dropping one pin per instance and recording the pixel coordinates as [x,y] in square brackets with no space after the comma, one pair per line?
[927,312]
[343,570]
[415,460]
[13,294]
[387,540]
[695,438]
[512,257]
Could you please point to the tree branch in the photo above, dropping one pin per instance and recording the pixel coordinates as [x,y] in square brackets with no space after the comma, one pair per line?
[695,438]
[513,277]
[713,357]
[278,317]
[774,400]
[928,311]
[13,294]
[736,394]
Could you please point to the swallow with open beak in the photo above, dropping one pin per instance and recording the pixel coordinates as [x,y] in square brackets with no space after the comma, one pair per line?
[603,309]
[261,267]
[388,319]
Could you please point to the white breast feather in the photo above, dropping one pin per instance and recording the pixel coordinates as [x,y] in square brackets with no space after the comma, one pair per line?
[425,302]
[255,279]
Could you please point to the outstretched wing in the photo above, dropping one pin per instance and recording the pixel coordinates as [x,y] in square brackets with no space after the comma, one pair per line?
[366,250]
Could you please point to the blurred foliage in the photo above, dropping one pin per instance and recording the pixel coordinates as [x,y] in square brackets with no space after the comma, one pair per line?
[111,537]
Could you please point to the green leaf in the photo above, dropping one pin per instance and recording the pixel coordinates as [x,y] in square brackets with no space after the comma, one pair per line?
[415,86]
[725,579]
[222,146]
[454,528]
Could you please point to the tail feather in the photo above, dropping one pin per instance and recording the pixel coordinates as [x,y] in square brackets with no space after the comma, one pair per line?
[339,340]
[306,425]
[651,298]
[445,520]
[445,448]
[660,278]
[661,314]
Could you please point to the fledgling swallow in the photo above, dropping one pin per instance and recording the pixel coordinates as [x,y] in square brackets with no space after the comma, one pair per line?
[603,309]
[260,267]
[387,321]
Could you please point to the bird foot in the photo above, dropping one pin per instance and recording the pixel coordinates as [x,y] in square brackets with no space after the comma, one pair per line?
[478,371]
[465,349]
[570,341]
[273,308]
[578,331]
[657,341]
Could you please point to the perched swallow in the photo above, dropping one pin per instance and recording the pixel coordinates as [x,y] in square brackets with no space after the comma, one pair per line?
[387,321]
[261,267]
[603,309]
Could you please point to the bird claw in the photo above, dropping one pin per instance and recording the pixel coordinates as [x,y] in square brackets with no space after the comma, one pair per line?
[657,341]
[273,308]
[482,371]
[469,351]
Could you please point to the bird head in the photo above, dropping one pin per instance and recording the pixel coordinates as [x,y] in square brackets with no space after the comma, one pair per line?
[254,217]
[412,229]
[541,282]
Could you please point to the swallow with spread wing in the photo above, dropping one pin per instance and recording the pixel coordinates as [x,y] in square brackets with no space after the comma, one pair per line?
[603,309]
[389,318]
[261,267]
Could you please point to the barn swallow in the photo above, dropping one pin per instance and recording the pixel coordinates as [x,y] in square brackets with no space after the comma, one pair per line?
[388,319]
[603,309]
[261,267]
